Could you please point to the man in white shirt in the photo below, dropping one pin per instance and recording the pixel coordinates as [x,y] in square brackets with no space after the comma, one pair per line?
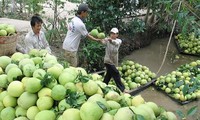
[35,39]
[76,31]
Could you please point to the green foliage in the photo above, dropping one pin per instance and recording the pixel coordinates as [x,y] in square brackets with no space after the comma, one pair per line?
[191,112]
[91,55]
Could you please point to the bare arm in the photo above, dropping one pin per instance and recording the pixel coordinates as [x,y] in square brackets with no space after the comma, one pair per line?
[93,38]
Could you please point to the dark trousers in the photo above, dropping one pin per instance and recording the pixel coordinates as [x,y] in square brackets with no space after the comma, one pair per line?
[112,72]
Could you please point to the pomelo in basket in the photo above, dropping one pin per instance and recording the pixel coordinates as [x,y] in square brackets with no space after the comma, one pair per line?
[3,33]
[45,115]
[73,113]
[4,61]
[15,88]
[10,30]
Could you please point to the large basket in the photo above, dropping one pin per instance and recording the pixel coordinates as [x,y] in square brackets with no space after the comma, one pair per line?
[8,44]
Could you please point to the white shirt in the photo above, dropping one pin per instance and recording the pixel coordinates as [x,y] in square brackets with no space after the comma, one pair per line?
[33,41]
[76,31]
[111,55]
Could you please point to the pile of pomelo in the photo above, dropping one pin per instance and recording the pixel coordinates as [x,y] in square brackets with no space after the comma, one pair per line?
[183,83]
[134,74]
[36,86]
[189,44]
[7,29]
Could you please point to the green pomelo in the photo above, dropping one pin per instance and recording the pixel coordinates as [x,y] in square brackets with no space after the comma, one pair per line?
[25,61]
[39,74]
[27,100]
[124,114]
[15,88]
[94,32]
[67,76]
[9,66]
[9,101]
[148,110]
[107,116]
[8,113]
[154,107]
[3,33]
[3,26]
[3,81]
[37,60]
[17,56]
[55,71]
[44,92]
[98,98]
[28,70]
[1,106]
[101,35]
[58,92]
[13,73]
[90,111]
[10,30]
[112,95]
[34,52]
[2,95]
[73,113]
[45,115]
[142,112]
[90,87]
[113,104]
[44,103]
[71,86]
[31,112]
[171,116]
[20,111]
[33,85]
[82,70]
[137,100]
[4,61]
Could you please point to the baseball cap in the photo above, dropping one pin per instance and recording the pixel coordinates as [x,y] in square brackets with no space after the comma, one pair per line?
[83,7]
[114,30]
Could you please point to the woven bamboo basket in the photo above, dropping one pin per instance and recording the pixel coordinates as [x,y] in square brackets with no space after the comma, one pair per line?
[8,44]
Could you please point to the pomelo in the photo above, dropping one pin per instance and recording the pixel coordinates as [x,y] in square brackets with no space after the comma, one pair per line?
[33,85]
[73,113]
[27,100]
[9,101]
[44,103]
[4,61]
[13,73]
[90,111]
[44,92]
[90,87]
[31,112]
[3,81]
[20,111]
[15,88]
[58,92]
[124,114]
[45,115]
[8,113]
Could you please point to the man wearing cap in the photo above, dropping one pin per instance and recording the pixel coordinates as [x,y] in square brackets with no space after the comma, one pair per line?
[111,59]
[76,31]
